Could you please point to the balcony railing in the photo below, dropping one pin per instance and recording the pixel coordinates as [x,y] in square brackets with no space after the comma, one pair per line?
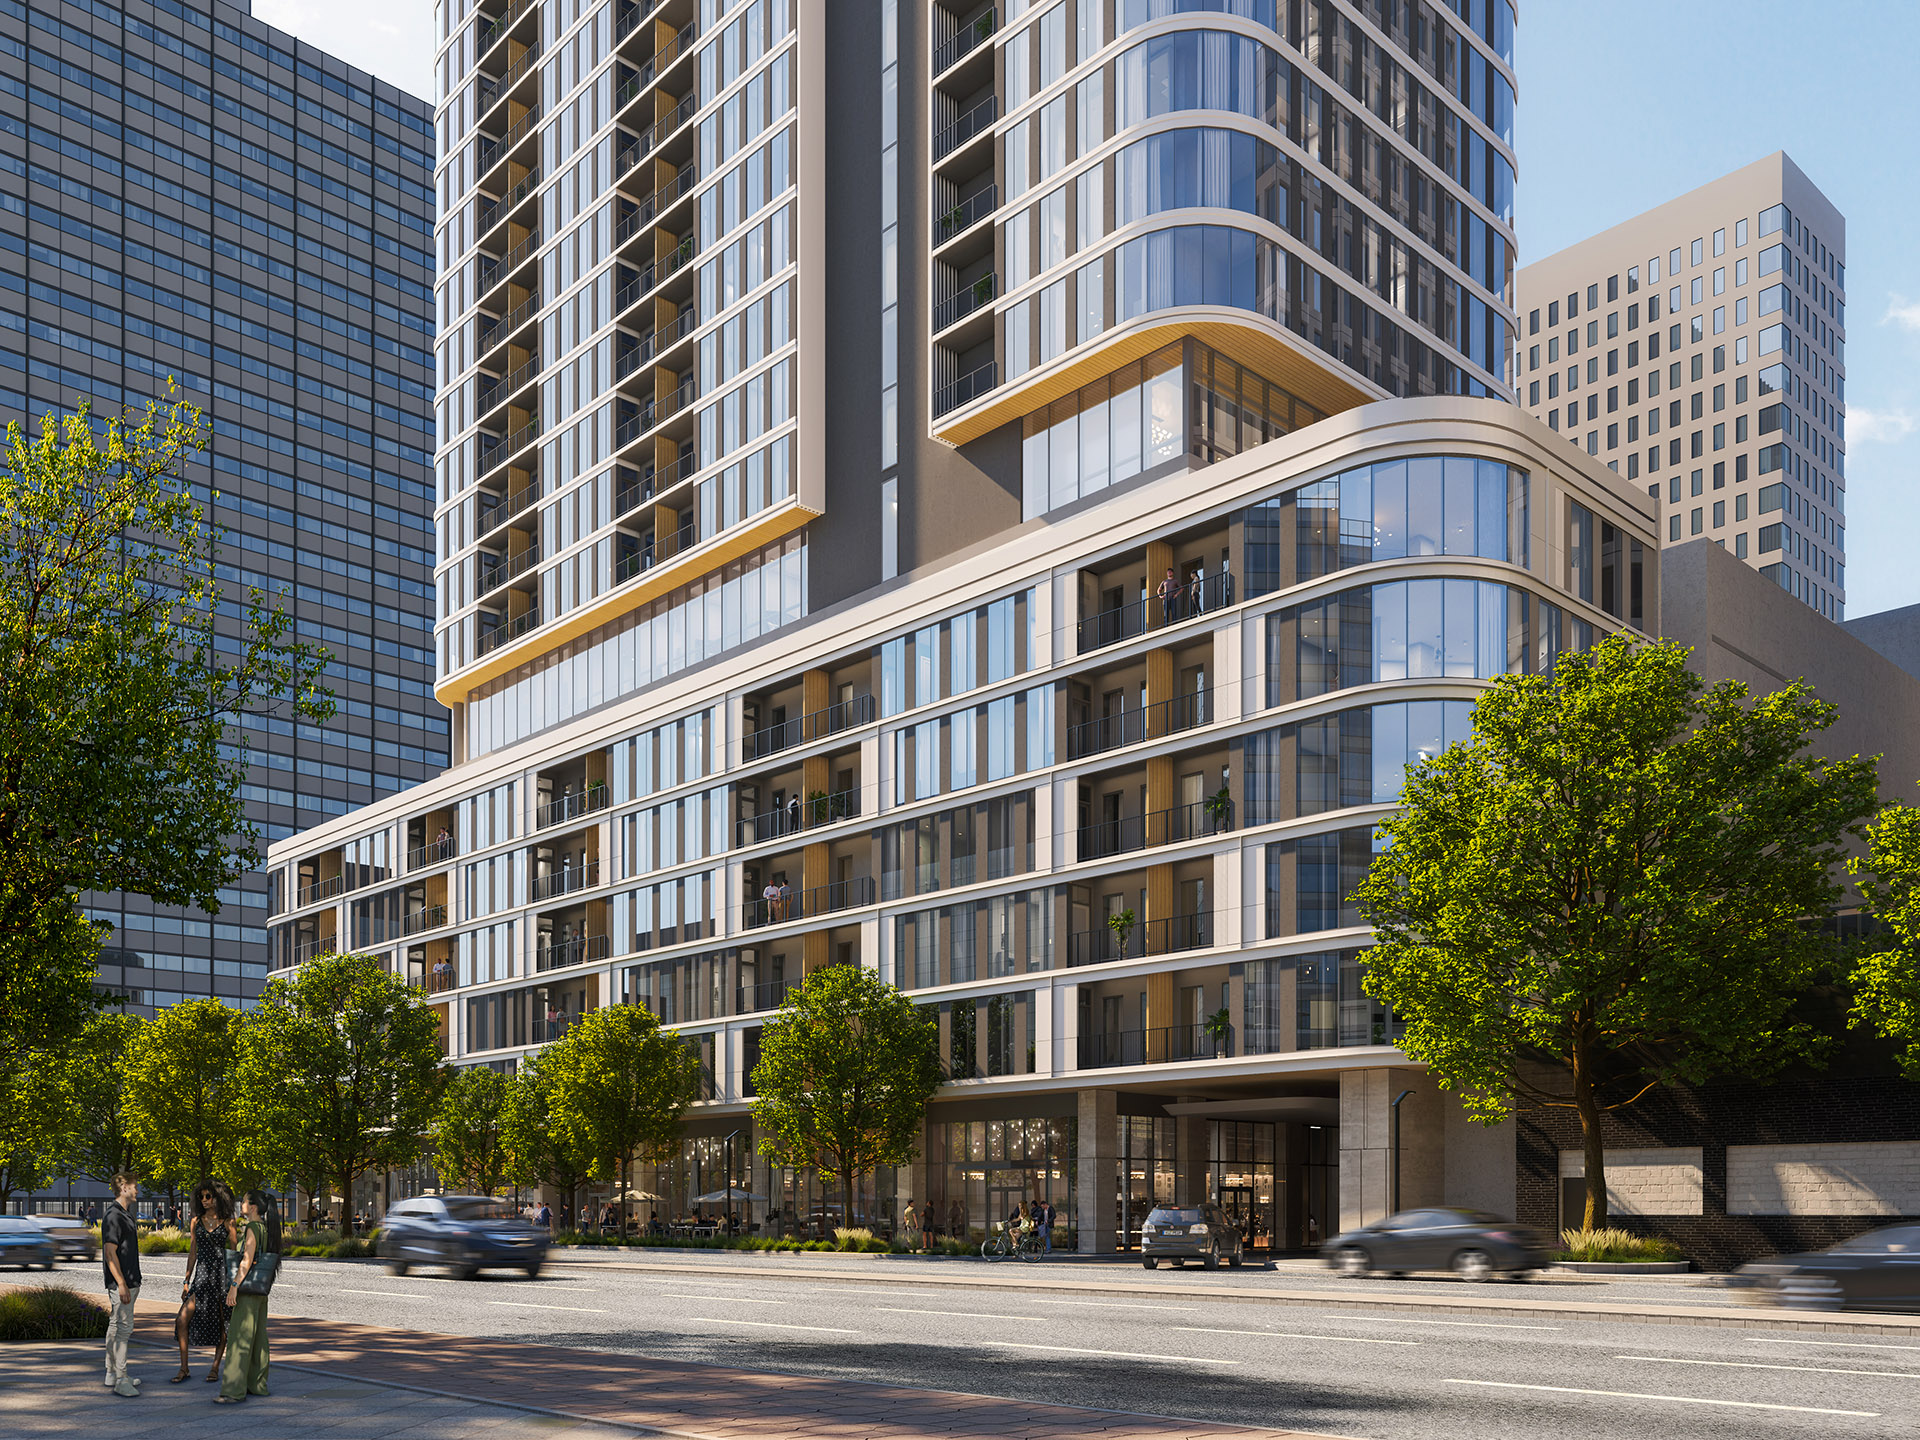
[963,42]
[492,150]
[677,329]
[653,273]
[493,392]
[805,904]
[748,999]
[846,715]
[492,29]
[430,917]
[955,308]
[505,568]
[489,91]
[1155,612]
[492,210]
[518,316]
[1146,722]
[492,639]
[649,555]
[964,216]
[656,62]
[972,123]
[562,808]
[578,951]
[797,815]
[566,881]
[1159,827]
[492,517]
[968,388]
[1153,937]
[320,890]
[432,852]
[1165,1046]
[656,412]
[656,133]
[543,1031]
[305,950]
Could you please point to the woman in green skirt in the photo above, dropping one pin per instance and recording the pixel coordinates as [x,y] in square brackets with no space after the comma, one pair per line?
[244,1371]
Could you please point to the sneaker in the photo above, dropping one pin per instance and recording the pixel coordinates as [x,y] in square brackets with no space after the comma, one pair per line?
[127,1388]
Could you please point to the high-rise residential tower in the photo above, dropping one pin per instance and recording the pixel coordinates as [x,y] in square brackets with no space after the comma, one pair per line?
[995,496]
[1700,349]
[187,192]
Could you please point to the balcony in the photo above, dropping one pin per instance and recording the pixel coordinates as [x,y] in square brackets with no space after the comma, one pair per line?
[495,331]
[496,571]
[493,638]
[654,274]
[432,853]
[797,815]
[808,904]
[656,343]
[751,999]
[489,91]
[580,950]
[970,125]
[1137,617]
[1171,936]
[542,1031]
[491,517]
[656,411]
[320,890]
[963,42]
[656,64]
[1166,1046]
[589,798]
[964,216]
[956,307]
[1148,722]
[846,715]
[493,210]
[655,135]
[496,392]
[430,917]
[968,388]
[492,28]
[565,881]
[1159,827]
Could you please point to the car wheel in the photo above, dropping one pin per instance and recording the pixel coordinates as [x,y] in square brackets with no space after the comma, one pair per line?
[1239,1258]
[1473,1265]
[397,1267]
[1212,1258]
[1353,1262]
[533,1272]
[1519,1277]
[1149,1264]
[1811,1292]
[1178,1264]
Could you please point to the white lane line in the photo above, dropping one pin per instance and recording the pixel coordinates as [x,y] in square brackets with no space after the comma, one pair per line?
[1670,1399]
[1296,1335]
[1114,1305]
[771,1325]
[959,1314]
[1759,1365]
[1417,1320]
[529,1305]
[575,1289]
[386,1294]
[723,1299]
[1116,1354]
[1831,1344]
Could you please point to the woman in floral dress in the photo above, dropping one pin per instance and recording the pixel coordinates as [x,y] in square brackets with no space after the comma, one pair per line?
[203,1293]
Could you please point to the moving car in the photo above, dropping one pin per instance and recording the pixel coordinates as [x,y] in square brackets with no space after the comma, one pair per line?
[24,1243]
[72,1238]
[1190,1232]
[1474,1244]
[465,1233]
[1879,1270]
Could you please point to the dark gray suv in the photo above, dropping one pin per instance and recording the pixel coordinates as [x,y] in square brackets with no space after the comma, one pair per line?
[1472,1243]
[465,1233]
[1191,1232]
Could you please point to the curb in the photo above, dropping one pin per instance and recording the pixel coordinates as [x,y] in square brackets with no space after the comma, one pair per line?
[1626,1267]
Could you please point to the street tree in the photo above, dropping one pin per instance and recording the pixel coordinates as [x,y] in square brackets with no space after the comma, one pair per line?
[538,1151]
[339,1073]
[1886,977]
[97,1083]
[181,1110]
[1616,884]
[36,1122]
[846,1070]
[621,1087]
[469,1142]
[117,767]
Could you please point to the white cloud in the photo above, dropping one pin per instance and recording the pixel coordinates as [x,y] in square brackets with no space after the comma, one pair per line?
[1883,426]
[1902,312]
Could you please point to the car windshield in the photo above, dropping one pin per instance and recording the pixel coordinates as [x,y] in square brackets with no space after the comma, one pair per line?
[1900,1239]
[478,1210]
[1176,1217]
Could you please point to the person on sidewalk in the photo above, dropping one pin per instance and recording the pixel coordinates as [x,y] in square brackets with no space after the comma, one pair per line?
[203,1311]
[1044,1214]
[929,1219]
[245,1370]
[120,1254]
[910,1222]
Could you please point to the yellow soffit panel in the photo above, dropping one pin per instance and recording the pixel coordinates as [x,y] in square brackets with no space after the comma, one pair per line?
[765,528]
[1233,333]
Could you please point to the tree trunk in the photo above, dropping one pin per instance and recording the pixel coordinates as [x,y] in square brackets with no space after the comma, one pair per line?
[1592,1143]
[846,1193]
[626,1175]
[347,1177]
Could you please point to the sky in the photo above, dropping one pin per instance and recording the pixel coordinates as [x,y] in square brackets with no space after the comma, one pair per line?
[1622,105]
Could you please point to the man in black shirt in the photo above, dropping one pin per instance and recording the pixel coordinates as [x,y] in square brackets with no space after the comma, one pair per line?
[120,1253]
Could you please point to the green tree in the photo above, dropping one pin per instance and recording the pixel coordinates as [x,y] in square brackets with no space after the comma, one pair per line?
[117,770]
[339,1073]
[469,1140]
[538,1151]
[96,1083]
[1886,981]
[180,1103]
[1620,875]
[846,1070]
[621,1086]
[36,1122]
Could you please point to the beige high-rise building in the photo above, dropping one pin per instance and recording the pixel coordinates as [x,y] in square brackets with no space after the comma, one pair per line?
[1700,349]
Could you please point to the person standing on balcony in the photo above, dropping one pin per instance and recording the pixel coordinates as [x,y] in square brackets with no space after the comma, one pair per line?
[1169,598]
[793,813]
[1197,589]
[770,901]
[786,900]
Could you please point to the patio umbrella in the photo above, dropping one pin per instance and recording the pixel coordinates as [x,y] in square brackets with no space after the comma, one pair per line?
[731,1193]
[637,1195]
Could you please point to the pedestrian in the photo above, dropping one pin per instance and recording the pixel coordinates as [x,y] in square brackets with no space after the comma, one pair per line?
[244,1372]
[910,1222]
[929,1218]
[1169,598]
[957,1221]
[566,1214]
[203,1308]
[1045,1217]
[120,1254]
[545,1218]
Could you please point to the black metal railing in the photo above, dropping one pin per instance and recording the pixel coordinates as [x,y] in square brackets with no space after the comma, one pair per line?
[492,29]
[438,981]
[495,331]
[1152,937]
[797,815]
[654,135]
[656,411]
[968,388]
[638,562]
[968,125]
[432,852]
[543,1031]
[964,216]
[429,917]
[493,516]
[1155,611]
[1145,722]
[566,880]
[320,890]
[1166,1045]
[805,904]
[491,212]
[562,808]
[846,715]
[496,571]
[660,60]
[955,308]
[963,42]
[749,998]
[656,200]
[492,151]
[577,951]
[496,391]
[676,330]
[493,637]
[489,90]
[1158,827]
[654,273]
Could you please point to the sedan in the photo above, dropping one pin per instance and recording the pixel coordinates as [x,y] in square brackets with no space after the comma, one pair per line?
[465,1233]
[1472,1243]
[72,1239]
[1879,1270]
[24,1243]
[1196,1232]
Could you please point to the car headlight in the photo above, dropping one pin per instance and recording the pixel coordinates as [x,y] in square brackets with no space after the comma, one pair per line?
[1196,1230]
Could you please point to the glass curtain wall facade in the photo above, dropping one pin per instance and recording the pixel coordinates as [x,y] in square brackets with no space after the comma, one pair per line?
[188,193]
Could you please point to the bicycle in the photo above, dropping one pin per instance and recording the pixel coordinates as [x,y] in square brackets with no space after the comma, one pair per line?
[1026,1244]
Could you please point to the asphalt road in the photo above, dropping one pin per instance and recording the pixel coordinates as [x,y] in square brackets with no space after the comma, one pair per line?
[1329,1368]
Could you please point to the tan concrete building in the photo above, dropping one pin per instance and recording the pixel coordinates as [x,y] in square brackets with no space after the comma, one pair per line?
[1699,350]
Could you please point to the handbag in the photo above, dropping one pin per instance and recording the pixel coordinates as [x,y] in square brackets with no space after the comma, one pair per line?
[259,1279]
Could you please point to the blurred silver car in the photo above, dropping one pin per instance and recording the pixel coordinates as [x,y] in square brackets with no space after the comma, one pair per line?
[24,1243]
[465,1233]
[72,1237]
[1474,1244]
[1879,1270]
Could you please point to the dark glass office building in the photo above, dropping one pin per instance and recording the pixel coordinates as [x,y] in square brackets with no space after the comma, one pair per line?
[187,192]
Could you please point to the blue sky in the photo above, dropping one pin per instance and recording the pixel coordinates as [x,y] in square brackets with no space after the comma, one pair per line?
[1624,104]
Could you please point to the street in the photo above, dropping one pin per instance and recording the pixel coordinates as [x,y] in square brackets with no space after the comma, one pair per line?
[1331,1368]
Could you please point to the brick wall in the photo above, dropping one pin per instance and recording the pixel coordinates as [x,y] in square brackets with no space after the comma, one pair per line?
[1646,1182]
[1878,1179]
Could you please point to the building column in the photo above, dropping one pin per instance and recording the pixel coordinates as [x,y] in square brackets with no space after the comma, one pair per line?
[1099,1152]
[1193,1155]
[1366,1143]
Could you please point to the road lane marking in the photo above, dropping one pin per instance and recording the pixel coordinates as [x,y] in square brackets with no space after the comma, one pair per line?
[723,1299]
[1116,1354]
[1295,1335]
[1831,1344]
[1670,1399]
[1417,1320]
[770,1325]
[1760,1365]
[959,1314]
[574,1289]
[386,1294]
[529,1305]
[1114,1305]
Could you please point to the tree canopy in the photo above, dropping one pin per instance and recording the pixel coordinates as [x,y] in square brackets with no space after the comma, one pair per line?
[183,1110]
[1886,979]
[1620,875]
[846,1070]
[469,1144]
[95,1086]
[115,699]
[539,1152]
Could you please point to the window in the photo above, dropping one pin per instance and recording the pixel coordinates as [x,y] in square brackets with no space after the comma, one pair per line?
[1740,468]
[1719,513]
[1740,311]
[1673,527]
[1739,233]
[1633,279]
[1720,436]
[1719,242]
[1696,522]
[1719,396]
[1719,474]
[1613,288]
[1740,540]
[1573,305]
[1698,291]
[1697,252]
[1593,297]
[1719,361]
[1533,322]
[1653,270]
[1553,313]
[1739,507]
[1533,392]
[1740,271]
[1720,280]
[1697,482]
[1719,319]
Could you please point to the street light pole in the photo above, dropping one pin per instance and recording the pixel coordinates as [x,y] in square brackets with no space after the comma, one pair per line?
[1395,1107]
